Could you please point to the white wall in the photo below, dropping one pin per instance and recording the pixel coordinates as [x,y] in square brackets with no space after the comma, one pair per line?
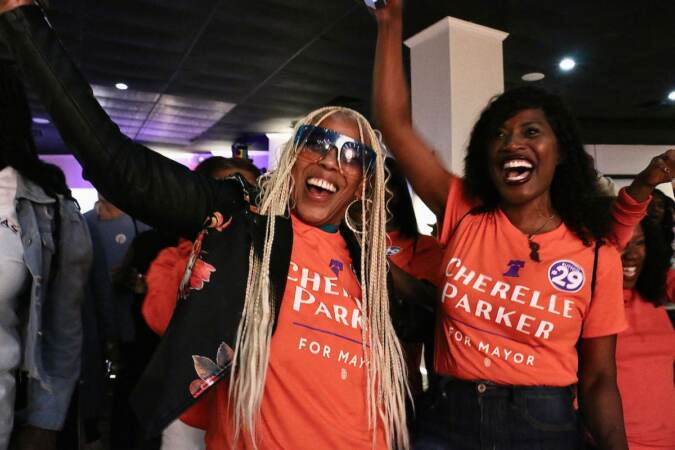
[626,160]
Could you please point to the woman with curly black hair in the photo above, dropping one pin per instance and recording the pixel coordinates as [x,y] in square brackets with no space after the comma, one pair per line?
[645,352]
[531,301]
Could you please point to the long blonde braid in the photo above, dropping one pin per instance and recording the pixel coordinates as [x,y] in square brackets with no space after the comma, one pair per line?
[387,386]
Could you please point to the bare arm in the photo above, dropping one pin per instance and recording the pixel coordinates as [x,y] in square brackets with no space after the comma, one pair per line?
[393,112]
[661,169]
[410,289]
[630,206]
[599,397]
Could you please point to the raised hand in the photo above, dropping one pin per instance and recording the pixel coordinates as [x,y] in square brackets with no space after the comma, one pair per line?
[661,169]
[8,5]
[393,11]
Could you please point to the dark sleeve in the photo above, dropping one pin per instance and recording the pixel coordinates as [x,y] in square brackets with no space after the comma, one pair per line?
[144,184]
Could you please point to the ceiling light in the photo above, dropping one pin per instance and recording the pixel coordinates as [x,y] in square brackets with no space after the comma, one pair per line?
[671,96]
[40,120]
[533,76]
[567,64]
[121,86]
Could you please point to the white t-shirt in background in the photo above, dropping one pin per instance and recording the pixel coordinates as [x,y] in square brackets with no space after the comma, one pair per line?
[13,270]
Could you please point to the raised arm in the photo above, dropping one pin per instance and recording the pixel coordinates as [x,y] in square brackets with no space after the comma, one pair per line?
[393,113]
[144,184]
[631,205]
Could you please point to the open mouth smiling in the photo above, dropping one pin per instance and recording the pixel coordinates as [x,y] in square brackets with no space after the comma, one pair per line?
[516,170]
[629,271]
[320,186]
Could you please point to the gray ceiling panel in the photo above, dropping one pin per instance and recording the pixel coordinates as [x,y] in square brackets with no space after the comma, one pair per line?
[278,59]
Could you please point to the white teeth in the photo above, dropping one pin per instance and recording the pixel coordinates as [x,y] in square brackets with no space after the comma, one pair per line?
[629,271]
[323,184]
[517,177]
[518,164]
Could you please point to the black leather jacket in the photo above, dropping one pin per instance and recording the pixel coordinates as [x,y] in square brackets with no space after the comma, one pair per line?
[163,194]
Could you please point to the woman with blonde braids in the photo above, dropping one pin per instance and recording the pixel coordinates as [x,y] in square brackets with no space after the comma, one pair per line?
[284,308]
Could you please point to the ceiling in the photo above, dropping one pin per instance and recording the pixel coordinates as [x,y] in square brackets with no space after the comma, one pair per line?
[263,63]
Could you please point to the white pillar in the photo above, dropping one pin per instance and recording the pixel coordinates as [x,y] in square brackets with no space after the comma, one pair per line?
[457,66]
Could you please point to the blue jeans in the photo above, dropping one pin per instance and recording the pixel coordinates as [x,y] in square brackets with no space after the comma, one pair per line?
[464,415]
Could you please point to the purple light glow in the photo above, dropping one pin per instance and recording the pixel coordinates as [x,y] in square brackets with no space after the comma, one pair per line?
[73,171]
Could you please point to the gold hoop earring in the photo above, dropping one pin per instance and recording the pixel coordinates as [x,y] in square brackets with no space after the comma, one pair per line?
[349,220]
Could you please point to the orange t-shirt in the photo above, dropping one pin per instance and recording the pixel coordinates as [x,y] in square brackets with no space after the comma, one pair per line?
[645,353]
[316,386]
[163,280]
[421,259]
[508,319]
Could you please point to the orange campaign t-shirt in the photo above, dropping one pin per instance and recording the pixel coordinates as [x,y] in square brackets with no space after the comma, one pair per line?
[508,319]
[316,386]
[421,258]
[645,353]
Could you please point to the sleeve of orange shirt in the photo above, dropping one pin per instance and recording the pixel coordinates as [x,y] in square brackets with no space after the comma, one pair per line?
[626,214]
[426,263]
[163,280]
[457,206]
[606,313]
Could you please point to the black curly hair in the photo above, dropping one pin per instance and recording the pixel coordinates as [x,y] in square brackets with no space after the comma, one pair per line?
[666,222]
[17,147]
[651,284]
[18,150]
[215,163]
[575,192]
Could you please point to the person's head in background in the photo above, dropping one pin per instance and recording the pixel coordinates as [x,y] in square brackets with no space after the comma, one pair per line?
[106,210]
[661,211]
[401,212]
[17,147]
[219,168]
[659,206]
[646,260]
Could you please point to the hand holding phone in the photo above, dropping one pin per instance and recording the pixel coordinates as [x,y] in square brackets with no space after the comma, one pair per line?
[374,4]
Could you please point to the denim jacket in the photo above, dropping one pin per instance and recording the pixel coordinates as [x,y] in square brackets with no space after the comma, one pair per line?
[52,329]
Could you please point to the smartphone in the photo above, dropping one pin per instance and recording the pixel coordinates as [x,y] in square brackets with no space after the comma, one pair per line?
[375,3]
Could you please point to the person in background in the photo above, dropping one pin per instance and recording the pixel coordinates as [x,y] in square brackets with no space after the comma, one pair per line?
[645,352]
[662,212]
[527,268]
[45,254]
[166,270]
[163,278]
[418,256]
[219,168]
[99,356]
[115,231]
[660,206]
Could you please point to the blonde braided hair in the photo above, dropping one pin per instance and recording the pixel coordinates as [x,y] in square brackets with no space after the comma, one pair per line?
[386,374]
